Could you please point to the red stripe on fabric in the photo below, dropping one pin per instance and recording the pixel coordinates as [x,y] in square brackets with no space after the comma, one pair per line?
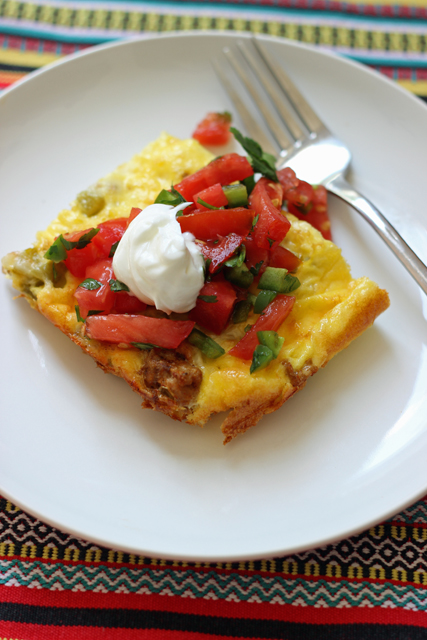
[220,608]
[23,631]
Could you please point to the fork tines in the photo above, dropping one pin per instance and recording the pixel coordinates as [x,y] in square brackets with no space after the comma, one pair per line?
[288,117]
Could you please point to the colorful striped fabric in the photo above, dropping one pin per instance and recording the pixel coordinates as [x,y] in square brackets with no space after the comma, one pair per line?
[371,586]
[389,37]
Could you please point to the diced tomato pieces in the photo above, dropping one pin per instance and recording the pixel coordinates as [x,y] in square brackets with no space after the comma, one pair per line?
[214,196]
[300,198]
[275,193]
[306,202]
[214,316]
[318,214]
[126,303]
[121,328]
[208,225]
[272,225]
[135,211]
[284,259]
[101,299]
[256,257]
[109,232]
[225,170]
[214,129]
[78,260]
[220,252]
[273,316]
[287,178]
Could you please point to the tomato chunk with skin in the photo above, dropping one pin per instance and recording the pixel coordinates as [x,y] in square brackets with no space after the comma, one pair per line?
[78,260]
[101,299]
[124,302]
[256,257]
[208,225]
[117,328]
[135,211]
[282,258]
[272,225]
[273,316]
[214,129]
[214,196]
[225,170]
[109,232]
[220,252]
[214,315]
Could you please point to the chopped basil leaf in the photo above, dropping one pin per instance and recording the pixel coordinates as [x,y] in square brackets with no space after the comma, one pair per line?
[255,270]
[209,347]
[82,242]
[145,345]
[94,312]
[116,285]
[261,162]
[254,221]
[172,197]
[248,328]
[90,284]
[113,249]
[206,204]
[238,258]
[56,251]
[208,298]
[78,316]
[270,241]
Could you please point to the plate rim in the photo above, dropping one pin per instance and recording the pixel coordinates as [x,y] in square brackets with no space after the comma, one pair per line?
[232,36]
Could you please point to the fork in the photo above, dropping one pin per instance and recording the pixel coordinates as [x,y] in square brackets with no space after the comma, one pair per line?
[304,142]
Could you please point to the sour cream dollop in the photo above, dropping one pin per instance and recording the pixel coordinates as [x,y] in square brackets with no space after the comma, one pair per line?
[161,265]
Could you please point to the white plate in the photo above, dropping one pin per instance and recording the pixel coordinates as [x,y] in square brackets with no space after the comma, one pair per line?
[77,450]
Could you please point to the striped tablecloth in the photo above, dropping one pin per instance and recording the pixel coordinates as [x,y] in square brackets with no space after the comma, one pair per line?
[371,586]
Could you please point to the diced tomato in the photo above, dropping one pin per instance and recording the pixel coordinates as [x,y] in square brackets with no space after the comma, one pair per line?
[222,251]
[273,316]
[126,303]
[225,170]
[272,225]
[287,178]
[284,259]
[306,202]
[109,232]
[214,316]
[318,214]
[300,198]
[78,260]
[208,225]
[256,255]
[214,129]
[101,299]
[275,192]
[133,213]
[122,328]
[214,196]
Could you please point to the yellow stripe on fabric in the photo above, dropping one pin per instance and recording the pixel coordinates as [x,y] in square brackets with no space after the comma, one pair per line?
[418,87]
[26,58]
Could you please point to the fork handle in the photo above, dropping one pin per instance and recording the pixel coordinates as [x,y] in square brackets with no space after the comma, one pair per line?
[418,270]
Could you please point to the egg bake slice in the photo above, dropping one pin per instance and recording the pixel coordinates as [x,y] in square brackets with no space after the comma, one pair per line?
[324,313]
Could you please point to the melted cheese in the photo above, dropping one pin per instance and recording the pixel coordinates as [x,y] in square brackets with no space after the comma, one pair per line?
[320,324]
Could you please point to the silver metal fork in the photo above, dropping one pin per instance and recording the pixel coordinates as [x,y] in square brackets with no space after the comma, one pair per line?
[303,140]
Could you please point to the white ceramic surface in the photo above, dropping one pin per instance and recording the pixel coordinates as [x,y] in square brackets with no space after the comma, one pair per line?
[77,450]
